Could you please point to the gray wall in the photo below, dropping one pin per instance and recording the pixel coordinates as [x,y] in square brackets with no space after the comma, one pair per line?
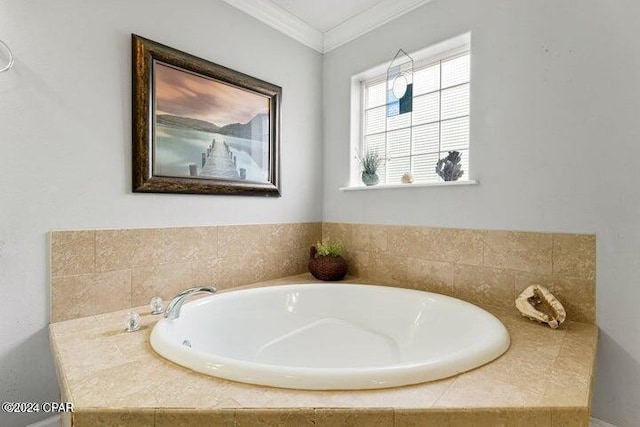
[555,101]
[65,145]
[554,140]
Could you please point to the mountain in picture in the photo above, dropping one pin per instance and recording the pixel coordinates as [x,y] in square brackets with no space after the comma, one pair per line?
[186,123]
[247,130]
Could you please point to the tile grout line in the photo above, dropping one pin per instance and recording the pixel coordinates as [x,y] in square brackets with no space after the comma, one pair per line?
[444,392]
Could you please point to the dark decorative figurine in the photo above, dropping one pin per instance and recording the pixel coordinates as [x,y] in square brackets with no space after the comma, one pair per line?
[449,168]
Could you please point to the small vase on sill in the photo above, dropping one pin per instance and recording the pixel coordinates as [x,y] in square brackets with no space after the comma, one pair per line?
[370,179]
[370,161]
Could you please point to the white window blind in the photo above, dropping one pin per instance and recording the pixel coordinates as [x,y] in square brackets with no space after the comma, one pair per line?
[439,121]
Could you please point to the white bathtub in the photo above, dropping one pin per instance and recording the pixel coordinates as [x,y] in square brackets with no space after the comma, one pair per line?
[330,336]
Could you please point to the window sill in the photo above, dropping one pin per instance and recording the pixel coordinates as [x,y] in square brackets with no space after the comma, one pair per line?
[417,185]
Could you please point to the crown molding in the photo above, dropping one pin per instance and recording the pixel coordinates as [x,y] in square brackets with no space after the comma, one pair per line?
[372,18]
[283,21]
[289,24]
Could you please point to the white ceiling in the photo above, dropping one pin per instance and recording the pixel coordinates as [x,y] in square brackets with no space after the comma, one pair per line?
[325,24]
[324,15]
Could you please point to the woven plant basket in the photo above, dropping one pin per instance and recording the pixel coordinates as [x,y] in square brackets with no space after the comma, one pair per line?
[329,268]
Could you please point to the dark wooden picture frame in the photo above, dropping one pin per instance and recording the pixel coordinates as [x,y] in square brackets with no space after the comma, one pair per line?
[227,94]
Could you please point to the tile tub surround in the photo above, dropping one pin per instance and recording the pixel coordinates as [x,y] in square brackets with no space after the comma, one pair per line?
[115,378]
[481,266]
[100,271]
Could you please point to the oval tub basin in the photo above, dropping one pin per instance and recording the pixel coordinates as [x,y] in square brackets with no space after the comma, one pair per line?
[330,336]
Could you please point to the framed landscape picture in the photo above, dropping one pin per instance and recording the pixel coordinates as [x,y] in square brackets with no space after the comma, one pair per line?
[202,128]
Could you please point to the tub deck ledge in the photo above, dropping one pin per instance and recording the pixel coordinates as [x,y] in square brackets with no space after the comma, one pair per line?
[115,378]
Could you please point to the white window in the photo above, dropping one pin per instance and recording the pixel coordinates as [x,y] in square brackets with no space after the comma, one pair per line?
[438,120]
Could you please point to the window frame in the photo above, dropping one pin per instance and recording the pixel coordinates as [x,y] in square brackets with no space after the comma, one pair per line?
[424,58]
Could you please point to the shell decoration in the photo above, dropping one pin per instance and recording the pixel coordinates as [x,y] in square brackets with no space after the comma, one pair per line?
[537,303]
[407,178]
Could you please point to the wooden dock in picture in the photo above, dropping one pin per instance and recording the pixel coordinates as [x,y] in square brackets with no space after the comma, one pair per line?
[218,162]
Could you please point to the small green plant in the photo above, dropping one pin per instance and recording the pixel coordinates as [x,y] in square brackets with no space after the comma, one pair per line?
[370,162]
[328,248]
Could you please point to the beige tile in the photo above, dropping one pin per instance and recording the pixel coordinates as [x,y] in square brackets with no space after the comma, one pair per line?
[112,291]
[288,237]
[194,418]
[487,286]
[461,418]
[165,281]
[432,276]
[205,272]
[368,238]
[574,357]
[335,417]
[358,264]
[522,251]
[290,262]
[196,390]
[76,328]
[302,261]
[576,295]
[252,268]
[190,244]
[574,255]
[570,417]
[120,249]
[490,418]
[482,389]
[72,252]
[301,258]
[525,369]
[413,396]
[106,387]
[113,417]
[338,232]
[581,334]
[112,321]
[406,241]
[515,379]
[306,234]
[416,396]
[573,365]
[82,361]
[274,418]
[71,297]
[282,237]
[273,266]
[479,418]
[556,393]
[228,271]
[84,295]
[453,245]
[435,244]
[241,240]
[534,341]
[134,346]
[421,418]
[529,417]
[388,269]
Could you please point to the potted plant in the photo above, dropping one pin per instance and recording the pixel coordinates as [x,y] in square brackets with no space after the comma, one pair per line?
[449,168]
[326,262]
[370,163]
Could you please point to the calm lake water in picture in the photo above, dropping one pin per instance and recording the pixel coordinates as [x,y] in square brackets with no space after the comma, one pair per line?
[177,148]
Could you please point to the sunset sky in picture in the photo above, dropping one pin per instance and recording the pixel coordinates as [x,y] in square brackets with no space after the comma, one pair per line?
[184,94]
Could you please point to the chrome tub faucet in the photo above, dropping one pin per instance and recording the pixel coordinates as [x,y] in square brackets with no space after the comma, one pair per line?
[174,307]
